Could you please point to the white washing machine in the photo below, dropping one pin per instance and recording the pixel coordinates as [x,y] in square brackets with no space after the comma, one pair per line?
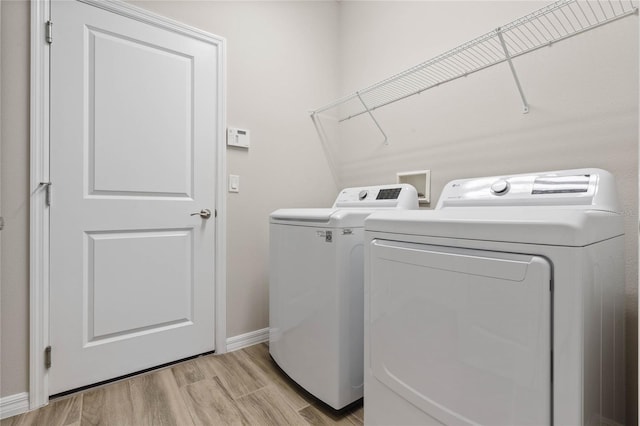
[503,306]
[316,290]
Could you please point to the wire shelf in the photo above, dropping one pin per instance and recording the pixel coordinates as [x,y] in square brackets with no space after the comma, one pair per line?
[558,21]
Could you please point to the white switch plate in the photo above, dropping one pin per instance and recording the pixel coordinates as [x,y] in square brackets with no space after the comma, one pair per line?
[238,137]
[234,183]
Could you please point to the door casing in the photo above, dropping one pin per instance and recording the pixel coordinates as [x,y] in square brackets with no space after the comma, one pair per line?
[39,173]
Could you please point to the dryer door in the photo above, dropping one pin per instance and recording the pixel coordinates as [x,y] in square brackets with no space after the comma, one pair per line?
[464,335]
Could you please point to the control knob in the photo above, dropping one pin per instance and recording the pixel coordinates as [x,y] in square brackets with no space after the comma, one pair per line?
[500,187]
[363,194]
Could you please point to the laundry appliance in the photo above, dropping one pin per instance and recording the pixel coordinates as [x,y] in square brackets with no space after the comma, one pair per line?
[502,306]
[316,290]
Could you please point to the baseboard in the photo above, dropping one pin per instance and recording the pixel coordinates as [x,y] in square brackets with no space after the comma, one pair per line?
[248,339]
[13,405]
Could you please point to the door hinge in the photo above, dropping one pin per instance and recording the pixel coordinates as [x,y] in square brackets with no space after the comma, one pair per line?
[47,357]
[49,32]
[1,223]
[47,186]
[215,213]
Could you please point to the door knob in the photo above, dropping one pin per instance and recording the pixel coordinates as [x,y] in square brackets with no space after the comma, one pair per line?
[204,213]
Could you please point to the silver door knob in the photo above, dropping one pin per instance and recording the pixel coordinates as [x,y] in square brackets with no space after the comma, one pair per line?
[204,213]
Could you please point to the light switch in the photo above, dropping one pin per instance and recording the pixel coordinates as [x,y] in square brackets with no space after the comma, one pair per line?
[234,183]
[238,137]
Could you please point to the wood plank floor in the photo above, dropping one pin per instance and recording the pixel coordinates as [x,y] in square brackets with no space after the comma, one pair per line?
[243,387]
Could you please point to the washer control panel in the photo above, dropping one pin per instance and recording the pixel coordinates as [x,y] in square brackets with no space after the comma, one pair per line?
[588,187]
[401,196]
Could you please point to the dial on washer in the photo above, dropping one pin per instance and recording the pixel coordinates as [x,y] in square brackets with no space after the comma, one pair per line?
[500,187]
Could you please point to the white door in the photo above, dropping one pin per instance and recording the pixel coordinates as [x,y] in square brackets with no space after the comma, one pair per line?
[463,335]
[133,153]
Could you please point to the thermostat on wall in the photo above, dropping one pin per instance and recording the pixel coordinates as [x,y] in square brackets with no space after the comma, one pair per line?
[238,137]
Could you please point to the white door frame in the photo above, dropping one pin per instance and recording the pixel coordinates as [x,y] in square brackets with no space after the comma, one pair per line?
[39,172]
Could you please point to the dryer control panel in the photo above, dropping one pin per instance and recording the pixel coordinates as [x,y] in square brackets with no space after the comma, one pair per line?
[592,188]
[398,196]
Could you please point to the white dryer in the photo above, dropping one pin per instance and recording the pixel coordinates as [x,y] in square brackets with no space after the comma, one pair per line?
[503,306]
[316,290]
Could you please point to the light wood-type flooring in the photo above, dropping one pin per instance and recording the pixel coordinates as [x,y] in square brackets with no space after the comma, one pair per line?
[243,387]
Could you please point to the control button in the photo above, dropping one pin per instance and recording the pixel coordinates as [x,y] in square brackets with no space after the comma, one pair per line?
[363,194]
[500,187]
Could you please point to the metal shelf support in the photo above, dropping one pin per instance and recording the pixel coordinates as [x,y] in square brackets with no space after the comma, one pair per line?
[386,139]
[525,105]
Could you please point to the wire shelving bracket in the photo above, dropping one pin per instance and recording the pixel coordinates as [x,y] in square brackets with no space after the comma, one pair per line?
[386,139]
[525,105]
[544,27]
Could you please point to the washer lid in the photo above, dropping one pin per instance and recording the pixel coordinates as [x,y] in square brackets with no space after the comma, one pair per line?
[351,207]
[328,218]
[303,215]
[532,225]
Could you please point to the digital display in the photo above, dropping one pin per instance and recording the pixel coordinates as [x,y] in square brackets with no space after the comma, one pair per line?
[561,184]
[388,194]
[242,132]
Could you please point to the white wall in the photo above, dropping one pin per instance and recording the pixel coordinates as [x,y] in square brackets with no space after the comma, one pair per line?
[14,181]
[584,110]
